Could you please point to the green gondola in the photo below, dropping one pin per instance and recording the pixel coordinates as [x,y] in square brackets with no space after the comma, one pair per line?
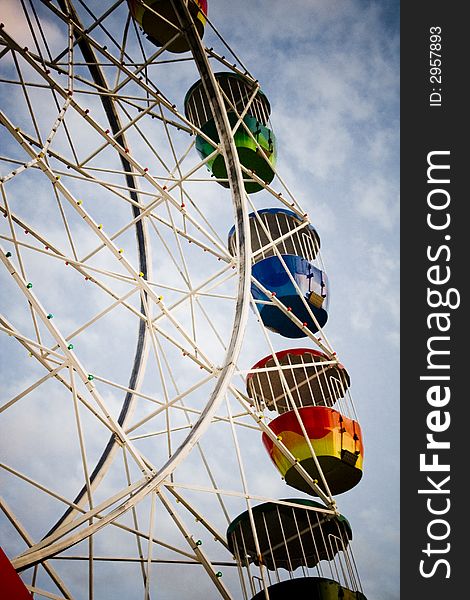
[255,142]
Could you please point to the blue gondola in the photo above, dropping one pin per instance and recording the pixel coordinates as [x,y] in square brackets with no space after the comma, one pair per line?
[271,274]
[293,277]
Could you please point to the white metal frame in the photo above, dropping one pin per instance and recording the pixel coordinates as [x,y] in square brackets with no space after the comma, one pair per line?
[145,193]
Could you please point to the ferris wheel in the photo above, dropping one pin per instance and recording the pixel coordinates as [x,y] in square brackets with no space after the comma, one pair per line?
[163,304]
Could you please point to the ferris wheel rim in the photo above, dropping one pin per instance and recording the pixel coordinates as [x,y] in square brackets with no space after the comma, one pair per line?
[156,481]
[224,377]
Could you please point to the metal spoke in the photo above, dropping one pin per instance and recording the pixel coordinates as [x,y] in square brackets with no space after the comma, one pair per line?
[134,412]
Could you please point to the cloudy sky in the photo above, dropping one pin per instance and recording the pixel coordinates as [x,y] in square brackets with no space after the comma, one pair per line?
[330,72]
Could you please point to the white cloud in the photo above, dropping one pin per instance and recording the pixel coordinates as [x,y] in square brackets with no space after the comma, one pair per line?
[377,201]
[12,18]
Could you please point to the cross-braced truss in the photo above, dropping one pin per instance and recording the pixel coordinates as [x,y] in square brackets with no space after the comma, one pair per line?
[128,435]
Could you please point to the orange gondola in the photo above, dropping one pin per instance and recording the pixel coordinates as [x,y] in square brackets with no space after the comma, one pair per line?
[336,442]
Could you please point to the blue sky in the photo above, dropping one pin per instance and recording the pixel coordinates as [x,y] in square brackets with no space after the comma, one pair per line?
[330,72]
